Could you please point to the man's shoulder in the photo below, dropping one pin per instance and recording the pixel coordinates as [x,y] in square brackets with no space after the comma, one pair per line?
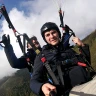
[44,51]
[45,47]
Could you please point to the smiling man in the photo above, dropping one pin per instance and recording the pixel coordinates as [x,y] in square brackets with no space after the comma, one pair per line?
[56,53]
[52,37]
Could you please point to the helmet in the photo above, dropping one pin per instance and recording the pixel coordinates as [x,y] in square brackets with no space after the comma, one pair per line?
[47,27]
[33,38]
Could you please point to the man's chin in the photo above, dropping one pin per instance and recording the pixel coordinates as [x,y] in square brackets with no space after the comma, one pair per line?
[37,46]
[54,43]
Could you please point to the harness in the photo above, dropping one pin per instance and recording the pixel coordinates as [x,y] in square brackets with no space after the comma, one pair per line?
[68,64]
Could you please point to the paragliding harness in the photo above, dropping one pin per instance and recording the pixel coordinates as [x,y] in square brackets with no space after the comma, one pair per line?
[77,68]
[68,64]
[25,36]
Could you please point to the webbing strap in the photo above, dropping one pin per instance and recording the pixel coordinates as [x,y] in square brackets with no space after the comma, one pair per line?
[5,14]
[33,46]
[20,43]
[46,64]
[51,73]
[60,73]
[61,19]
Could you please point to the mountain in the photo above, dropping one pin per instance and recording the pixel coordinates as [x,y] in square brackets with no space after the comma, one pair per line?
[91,40]
[18,85]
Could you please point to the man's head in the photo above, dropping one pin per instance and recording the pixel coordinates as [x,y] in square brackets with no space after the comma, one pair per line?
[34,41]
[51,33]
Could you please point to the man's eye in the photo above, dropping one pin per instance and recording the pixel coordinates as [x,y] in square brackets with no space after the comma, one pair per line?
[47,35]
[53,32]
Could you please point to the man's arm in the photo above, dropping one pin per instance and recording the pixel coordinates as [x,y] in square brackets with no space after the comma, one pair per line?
[13,60]
[84,48]
[86,52]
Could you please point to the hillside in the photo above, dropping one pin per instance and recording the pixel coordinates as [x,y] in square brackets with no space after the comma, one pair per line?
[91,40]
[18,85]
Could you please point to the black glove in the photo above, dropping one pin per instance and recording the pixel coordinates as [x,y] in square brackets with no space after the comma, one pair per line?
[52,93]
[6,40]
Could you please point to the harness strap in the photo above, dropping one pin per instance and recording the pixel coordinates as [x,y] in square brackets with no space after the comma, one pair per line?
[33,46]
[60,74]
[46,64]
[20,43]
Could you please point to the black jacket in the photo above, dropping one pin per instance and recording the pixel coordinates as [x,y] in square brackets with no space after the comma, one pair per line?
[21,62]
[53,54]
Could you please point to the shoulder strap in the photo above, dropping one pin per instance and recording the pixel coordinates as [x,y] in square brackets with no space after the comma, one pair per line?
[60,73]
[46,64]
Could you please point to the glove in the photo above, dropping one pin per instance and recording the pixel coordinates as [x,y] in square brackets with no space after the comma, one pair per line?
[6,40]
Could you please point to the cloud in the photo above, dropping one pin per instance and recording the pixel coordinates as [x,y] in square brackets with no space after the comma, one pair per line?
[5,69]
[80,15]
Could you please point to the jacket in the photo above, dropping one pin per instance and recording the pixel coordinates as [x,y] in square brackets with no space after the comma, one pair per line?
[21,62]
[54,54]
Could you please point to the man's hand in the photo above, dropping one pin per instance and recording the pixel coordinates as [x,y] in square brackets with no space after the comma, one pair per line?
[47,87]
[77,41]
[5,39]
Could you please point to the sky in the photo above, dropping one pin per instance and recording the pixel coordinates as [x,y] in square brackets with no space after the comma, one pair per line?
[28,16]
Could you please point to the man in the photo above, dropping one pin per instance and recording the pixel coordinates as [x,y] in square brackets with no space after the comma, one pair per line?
[35,42]
[26,61]
[54,54]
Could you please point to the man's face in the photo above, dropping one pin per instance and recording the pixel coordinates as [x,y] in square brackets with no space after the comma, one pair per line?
[36,43]
[52,37]
[29,46]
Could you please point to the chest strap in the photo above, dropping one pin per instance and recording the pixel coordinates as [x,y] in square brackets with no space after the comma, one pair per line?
[46,64]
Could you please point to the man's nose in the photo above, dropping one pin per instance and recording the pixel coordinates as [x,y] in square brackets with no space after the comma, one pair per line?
[51,35]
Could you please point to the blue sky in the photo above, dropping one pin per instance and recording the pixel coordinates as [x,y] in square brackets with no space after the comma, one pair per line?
[9,4]
[12,3]
[28,16]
